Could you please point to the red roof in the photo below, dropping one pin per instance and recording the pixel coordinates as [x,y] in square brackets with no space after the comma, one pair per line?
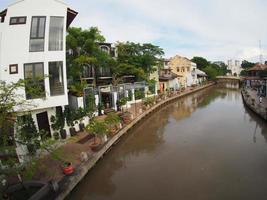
[258,67]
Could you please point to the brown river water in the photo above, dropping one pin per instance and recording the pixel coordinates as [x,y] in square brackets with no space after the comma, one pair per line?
[205,146]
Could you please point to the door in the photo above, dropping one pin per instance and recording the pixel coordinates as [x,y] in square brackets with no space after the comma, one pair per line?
[43,123]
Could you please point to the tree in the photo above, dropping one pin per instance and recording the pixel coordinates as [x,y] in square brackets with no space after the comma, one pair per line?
[11,102]
[244,73]
[98,128]
[84,51]
[246,64]
[201,62]
[211,72]
[139,58]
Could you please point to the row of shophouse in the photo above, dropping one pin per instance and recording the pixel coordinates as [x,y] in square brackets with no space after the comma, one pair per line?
[33,46]
[178,73]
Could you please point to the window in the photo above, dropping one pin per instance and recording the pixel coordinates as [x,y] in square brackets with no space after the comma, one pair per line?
[56,80]
[17,20]
[34,77]
[87,72]
[104,72]
[182,69]
[37,34]
[178,69]
[105,49]
[13,69]
[56,33]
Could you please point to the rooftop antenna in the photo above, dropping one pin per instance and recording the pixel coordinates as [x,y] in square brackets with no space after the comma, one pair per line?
[261,59]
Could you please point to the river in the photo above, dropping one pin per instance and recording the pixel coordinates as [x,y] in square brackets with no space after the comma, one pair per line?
[207,145]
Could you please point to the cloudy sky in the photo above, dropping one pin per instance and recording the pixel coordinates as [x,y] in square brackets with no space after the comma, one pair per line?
[215,29]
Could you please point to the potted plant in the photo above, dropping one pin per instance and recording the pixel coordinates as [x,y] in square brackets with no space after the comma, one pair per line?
[122,102]
[67,168]
[99,129]
[58,124]
[70,118]
[126,117]
[80,114]
[77,88]
[113,120]
[101,108]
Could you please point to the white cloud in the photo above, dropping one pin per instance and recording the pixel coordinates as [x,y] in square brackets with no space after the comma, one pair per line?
[216,29]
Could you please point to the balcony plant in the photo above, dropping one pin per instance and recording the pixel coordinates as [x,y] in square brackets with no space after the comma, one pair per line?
[77,88]
[99,129]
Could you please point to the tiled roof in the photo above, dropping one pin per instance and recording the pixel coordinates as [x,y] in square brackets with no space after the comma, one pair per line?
[258,67]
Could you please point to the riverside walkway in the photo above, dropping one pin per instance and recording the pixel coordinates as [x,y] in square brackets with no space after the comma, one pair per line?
[68,183]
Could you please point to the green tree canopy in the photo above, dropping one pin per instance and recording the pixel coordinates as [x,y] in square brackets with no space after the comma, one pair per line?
[142,57]
[246,64]
[83,49]
[201,62]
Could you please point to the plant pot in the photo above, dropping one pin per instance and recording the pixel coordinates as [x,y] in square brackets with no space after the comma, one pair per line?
[81,126]
[68,169]
[113,131]
[96,147]
[63,134]
[105,138]
[72,131]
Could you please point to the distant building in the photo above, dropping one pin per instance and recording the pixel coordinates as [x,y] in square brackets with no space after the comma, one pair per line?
[185,68]
[234,66]
[167,79]
[201,76]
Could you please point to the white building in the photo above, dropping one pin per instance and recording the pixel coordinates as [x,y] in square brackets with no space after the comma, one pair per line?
[234,66]
[201,76]
[191,76]
[32,47]
[167,79]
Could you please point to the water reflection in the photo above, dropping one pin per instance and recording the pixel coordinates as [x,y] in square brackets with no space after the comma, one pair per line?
[260,124]
[196,148]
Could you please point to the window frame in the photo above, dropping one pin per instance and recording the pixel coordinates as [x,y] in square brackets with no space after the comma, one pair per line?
[37,31]
[34,78]
[49,48]
[13,65]
[62,74]
[17,20]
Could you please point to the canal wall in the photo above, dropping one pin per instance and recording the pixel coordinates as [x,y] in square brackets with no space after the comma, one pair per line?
[253,105]
[68,183]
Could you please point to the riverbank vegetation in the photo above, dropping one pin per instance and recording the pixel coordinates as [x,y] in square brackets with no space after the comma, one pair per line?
[211,69]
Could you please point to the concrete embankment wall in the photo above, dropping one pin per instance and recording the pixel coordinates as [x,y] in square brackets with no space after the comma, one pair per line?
[69,182]
[255,107]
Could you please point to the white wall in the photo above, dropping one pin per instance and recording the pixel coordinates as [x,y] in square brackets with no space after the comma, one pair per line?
[15,46]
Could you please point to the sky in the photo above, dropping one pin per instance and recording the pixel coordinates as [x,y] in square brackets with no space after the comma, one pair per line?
[214,29]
